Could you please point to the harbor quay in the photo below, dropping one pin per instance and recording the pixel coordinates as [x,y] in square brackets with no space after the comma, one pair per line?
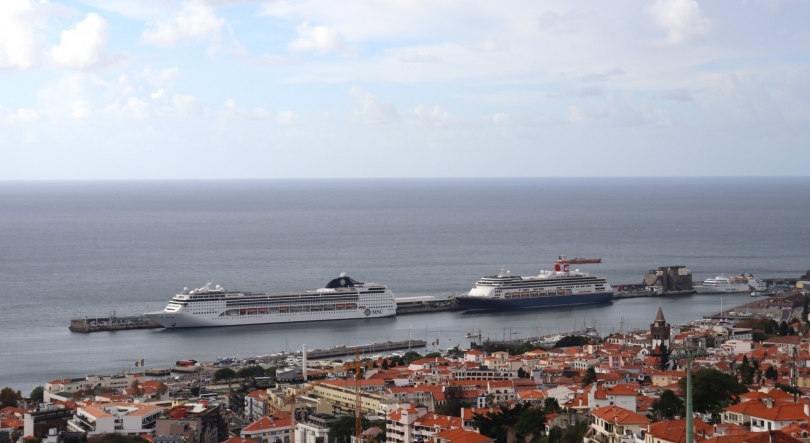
[575,377]
[582,381]
[666,281]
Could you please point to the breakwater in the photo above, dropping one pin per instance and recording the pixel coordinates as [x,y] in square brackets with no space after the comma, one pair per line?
[111,323]
[341,351]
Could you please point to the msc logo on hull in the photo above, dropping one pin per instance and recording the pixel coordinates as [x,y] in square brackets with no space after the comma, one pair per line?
[372,311]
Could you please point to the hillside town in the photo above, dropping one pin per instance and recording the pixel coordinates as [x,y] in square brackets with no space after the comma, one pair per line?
[750,384]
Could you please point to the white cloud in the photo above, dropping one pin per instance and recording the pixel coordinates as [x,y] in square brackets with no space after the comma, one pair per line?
[682,20]
[136,108]
[187,105]
[158,95]
[413,56]
[435,116]
[741,97]
[231,110]
[160,77]
[317,39]
[374,110]
[83,47]
[558,23]
[20,45]
[500,117]
[287,118]
[618,111]
[491,45]
[24,115]
[81,109]
[194,22]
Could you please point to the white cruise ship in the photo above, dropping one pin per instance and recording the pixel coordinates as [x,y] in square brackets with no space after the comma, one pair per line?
[342,298]
[560,287]
[723,284]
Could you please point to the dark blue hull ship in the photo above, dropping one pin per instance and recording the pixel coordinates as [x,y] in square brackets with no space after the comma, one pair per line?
[560,287]
[497,304]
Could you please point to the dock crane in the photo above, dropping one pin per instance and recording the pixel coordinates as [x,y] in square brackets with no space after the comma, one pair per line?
[357,365]
[563,263]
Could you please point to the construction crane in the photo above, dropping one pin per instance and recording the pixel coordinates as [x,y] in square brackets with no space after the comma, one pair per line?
[358,414]
[357,366]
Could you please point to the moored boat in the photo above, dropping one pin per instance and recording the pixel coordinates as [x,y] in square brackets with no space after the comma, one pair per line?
[560,287]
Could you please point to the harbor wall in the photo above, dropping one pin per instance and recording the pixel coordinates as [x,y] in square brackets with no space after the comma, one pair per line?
[87,325]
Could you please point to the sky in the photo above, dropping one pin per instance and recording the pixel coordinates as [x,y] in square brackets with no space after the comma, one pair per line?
[245,89]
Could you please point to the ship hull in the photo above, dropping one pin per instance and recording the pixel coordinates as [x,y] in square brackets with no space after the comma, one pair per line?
[187,320]
[497,304]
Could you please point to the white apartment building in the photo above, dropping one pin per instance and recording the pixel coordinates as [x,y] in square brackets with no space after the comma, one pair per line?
[120,418]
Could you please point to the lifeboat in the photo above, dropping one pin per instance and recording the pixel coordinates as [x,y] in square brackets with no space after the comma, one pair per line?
[283,309]
[262,310]
[242,311]
[351,306]
[251,311]
[339,306]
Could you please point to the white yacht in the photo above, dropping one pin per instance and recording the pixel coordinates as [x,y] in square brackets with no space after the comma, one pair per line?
[342,298]
[722,284]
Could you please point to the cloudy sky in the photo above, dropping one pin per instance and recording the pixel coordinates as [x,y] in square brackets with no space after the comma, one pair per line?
[123,89]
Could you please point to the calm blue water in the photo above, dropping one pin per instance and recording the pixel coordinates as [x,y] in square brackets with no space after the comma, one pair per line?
[78,248]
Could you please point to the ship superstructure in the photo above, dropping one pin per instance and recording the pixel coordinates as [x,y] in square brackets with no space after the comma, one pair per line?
[342,298]
[549,288]
[722,284]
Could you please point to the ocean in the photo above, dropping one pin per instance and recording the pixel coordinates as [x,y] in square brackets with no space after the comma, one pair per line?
[74,249]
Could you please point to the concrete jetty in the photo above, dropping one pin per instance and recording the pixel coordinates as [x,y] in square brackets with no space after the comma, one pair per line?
[111,323]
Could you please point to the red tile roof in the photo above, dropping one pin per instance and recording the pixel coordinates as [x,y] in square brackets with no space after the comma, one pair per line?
[462,436]
[615,414]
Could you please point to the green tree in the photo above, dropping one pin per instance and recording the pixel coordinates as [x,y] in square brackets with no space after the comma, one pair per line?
[225,374]
[806,308]
[590,376]
[531,423]
[454,401]
[521,373]
[789,389]
[783,329]
[711,388]
[668,404]
[409,356]
[38,394]
[455,352]
[572,340]
[433,355]
[759,336]
[771,373]
[576,433]
[251,372]
[385,366]
[195,391]
[497,424]
[343,429]
[136,386]
[551,405]
[162,389]
[8,397]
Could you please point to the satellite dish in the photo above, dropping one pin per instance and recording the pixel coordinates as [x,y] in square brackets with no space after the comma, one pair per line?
[342,274]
